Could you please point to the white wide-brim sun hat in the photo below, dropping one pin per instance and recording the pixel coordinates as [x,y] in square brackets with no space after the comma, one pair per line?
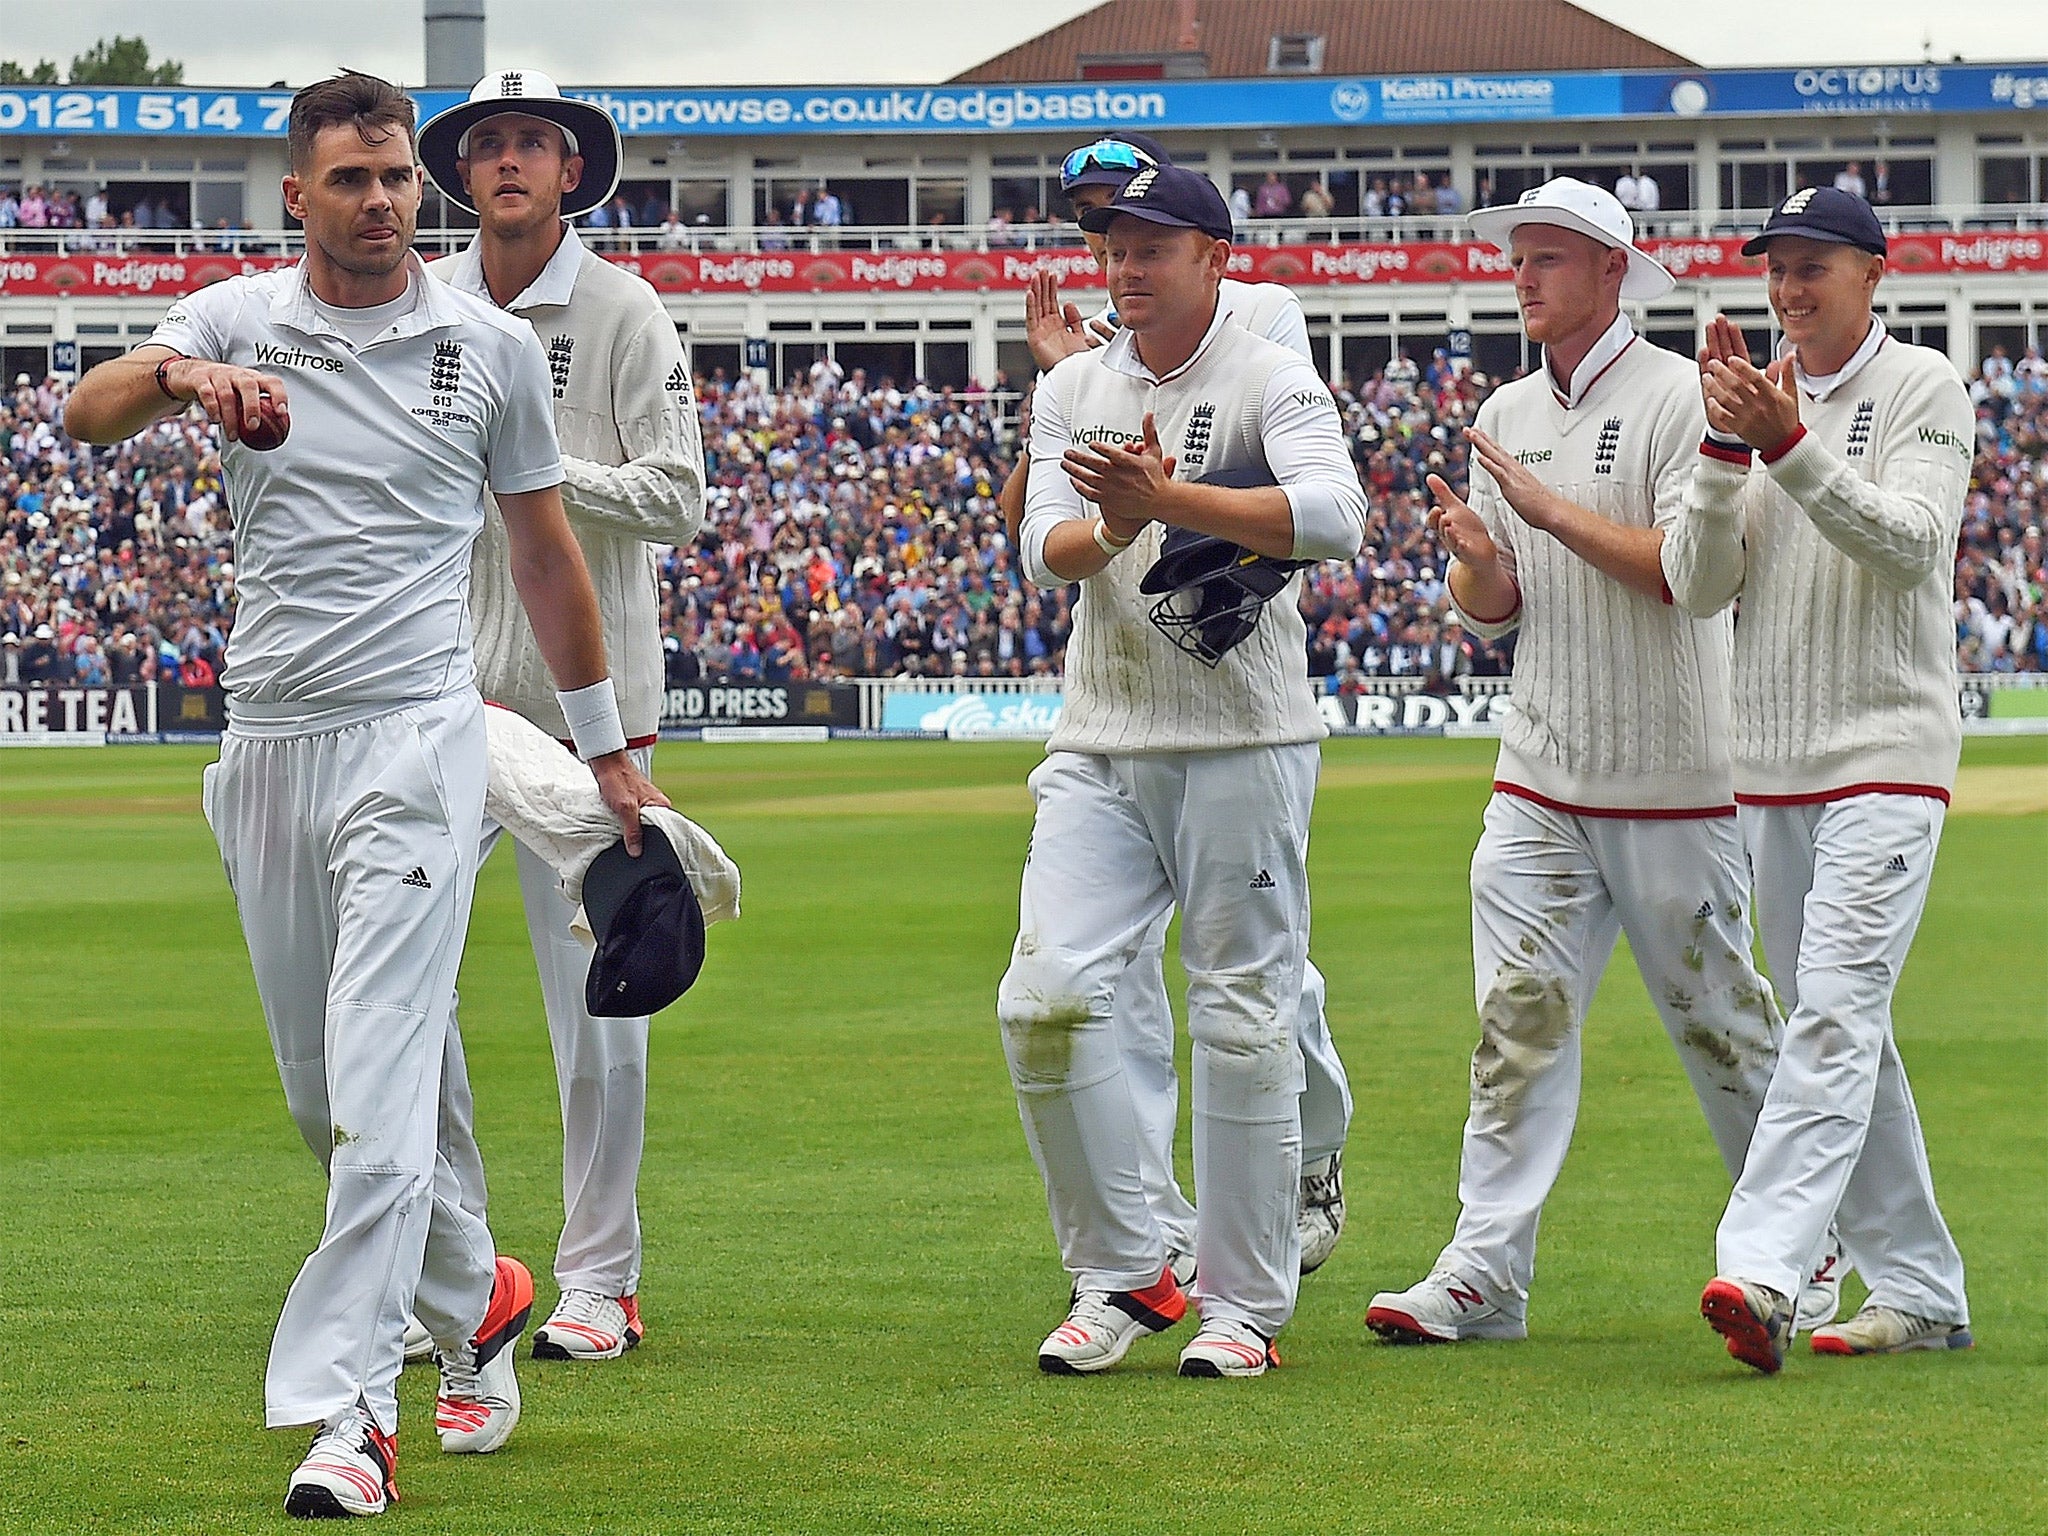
[444,137]
[1593,211]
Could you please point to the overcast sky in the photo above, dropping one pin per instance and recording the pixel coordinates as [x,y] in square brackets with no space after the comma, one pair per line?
[741,42]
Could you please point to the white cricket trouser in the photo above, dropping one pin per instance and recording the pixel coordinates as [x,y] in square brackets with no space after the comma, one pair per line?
[1143,1020]
[1551,891]
[1116,843]
[1840,890]
[352,853]
[601,1076]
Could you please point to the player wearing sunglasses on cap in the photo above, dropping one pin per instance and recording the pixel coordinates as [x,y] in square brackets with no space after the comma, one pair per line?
[1091,176]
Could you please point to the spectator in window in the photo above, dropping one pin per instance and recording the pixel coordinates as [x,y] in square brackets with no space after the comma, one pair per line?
[999,229]
[1374,204]
[10,208]
[1275,199]
[1316,202]
[1397,199]
[655,210]
[1849,179]
[1482,195]
[800,210]
[1880,184]
[1448,199]
[95,207]
[828,211]
[1240,209]
[1628,190]
[671,236]
[1649,196]
[773,237]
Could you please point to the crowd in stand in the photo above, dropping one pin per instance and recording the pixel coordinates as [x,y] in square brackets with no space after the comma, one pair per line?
[852,529]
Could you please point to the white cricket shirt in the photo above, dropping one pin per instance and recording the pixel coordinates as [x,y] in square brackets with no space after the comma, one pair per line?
[352,538]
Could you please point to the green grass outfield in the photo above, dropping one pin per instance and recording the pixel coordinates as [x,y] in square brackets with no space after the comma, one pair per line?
[848,1261]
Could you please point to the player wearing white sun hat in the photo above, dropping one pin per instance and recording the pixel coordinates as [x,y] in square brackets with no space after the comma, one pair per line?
[525,159]
[1612,810]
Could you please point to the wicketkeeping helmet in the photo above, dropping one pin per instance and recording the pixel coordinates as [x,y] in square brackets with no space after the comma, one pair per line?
[1210,590]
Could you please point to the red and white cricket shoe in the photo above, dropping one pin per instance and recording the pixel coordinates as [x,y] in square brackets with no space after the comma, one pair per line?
[1444,1308]
[1228,1348]
[1103,1325]
[479,1401]
[351,1470]
[586,1325]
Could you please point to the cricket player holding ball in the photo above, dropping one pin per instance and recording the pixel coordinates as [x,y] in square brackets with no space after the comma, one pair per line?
[348,799]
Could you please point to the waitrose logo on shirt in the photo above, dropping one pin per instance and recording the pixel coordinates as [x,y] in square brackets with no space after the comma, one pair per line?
[1941,437]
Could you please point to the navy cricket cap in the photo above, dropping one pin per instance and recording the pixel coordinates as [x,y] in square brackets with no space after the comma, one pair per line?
[1822,213]
[649,929]
[1169,195]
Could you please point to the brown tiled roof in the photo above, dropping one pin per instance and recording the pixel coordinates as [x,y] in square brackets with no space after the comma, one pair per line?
[1363,37]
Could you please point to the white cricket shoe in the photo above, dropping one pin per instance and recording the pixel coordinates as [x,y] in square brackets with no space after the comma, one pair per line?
[1183,1267]
[419,1344]
[1228,1348]
[1322,1210]
[1442,1308]
[1103,1325]
[350,1470]
[587,1325]
[1888,1331]
[479,1401]
[1820,1298]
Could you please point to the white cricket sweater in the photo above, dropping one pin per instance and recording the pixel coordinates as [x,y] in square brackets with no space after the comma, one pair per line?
[633,462]
[1845,650]
[1620,699]
[1240,401]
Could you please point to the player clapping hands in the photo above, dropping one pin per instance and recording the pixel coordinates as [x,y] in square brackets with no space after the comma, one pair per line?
[1756,405]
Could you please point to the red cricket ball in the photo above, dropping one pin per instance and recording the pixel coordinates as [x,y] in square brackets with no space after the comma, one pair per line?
[272,425]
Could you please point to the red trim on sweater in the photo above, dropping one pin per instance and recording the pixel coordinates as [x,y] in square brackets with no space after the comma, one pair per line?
[1848,792]
[1480,618]
[1593,381]
[1727,454]
[1613,812]
[633,743]
[1772,455]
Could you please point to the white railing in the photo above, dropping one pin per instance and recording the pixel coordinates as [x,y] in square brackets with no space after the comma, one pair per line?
[726,240]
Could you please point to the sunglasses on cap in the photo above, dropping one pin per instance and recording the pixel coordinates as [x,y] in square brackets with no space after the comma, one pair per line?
[1102,155]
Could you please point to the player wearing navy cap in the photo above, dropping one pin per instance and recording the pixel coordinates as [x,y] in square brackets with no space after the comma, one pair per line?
[1837,475]
[1168,782]
[1090,176]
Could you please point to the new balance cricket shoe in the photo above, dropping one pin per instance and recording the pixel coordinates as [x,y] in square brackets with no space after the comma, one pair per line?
[351,1470]
[1754,1319]
[1820,1298]
[587,1325]
[1322,1210]
[1228,1348]
[479,1401]
[1442,1308]
[1888,1331]
[419,1344]
[1103,1325]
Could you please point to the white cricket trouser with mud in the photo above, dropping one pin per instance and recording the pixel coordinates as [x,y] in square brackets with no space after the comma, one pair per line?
[1143,1020]
[601,1076]
[1840,890]
[1117,842]
[1551,891]
[352,853]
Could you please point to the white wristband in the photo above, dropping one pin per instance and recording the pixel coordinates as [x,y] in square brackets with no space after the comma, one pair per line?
[1109,545]
[593,716]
